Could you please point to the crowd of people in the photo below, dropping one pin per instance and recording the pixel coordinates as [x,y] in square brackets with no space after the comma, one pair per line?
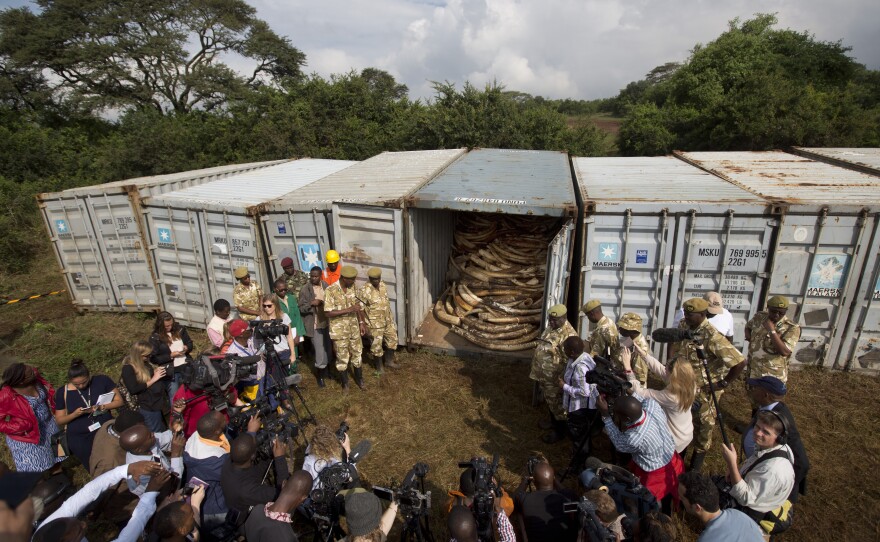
[171,466]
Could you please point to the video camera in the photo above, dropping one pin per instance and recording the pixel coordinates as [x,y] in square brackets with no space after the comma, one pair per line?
[607,380]
[409,495]
[269,330]
[590,522]
[630,496]
[275,424]
[486,489]
[213,376]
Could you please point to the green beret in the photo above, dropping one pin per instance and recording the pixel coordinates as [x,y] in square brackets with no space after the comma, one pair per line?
[696,304]
[240,272]
[590,305]
[778,302]
[374,273]
[348,272]
[630,321]
[558,310]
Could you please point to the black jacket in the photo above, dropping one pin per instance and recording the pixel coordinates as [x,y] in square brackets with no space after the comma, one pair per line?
[161,354]
[243,488]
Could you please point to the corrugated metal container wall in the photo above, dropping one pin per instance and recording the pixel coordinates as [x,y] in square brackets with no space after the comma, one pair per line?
[829,216]
[98,239]
[860,348]
[658,231]
[511,182]
[198,236]
[365,226]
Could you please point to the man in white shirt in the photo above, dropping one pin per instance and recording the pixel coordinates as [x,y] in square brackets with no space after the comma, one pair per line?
[141,444]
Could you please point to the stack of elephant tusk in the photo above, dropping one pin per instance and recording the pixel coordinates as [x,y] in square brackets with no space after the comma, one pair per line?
[496,280]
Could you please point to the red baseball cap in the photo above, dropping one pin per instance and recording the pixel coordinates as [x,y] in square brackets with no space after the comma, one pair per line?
[237,327]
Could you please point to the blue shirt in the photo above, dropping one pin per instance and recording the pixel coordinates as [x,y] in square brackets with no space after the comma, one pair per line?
[648,439]
[731,526]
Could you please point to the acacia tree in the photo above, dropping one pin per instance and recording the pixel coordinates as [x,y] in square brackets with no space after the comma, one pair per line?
[164,54]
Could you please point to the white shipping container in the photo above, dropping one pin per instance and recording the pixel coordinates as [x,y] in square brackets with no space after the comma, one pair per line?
[97,237]
[198,236]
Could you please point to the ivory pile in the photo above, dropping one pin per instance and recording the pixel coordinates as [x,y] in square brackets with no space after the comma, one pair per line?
[495,280]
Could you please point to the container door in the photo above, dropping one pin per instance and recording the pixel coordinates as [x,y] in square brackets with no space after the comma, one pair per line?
[175,237]
[558,266]
[813,265]
[300,235]
[626,263]
[726,253]
[860,350]
[373,237]
[230,240]
[73,237]
[119,239]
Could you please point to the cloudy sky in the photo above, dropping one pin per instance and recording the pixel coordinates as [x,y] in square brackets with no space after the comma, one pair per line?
[554,48]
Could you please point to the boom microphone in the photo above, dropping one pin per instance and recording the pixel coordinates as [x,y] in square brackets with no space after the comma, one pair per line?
[619,473]
[673,335]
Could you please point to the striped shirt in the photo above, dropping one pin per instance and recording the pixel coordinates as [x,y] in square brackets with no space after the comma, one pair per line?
[577,394]
[648,439]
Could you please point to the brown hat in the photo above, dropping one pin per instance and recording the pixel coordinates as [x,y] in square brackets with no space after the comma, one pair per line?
[591,305]
[240,272]
[696,304]
[348,272]
[716,304]
[374,273]
[286,262]
[778,302]
[558,310]
[630,321]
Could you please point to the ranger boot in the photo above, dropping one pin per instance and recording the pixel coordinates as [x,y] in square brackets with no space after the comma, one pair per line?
[343,378]
[389,360]
[359,378]
[379,368]
[697,461]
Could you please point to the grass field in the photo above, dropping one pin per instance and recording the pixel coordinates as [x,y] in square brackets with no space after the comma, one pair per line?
[441,410]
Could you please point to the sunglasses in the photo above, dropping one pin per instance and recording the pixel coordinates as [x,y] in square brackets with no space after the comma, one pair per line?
[269,306]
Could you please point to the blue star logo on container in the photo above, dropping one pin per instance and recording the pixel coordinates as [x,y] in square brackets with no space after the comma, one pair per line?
[164,235]
[609,252]
[61,226]
[309,255]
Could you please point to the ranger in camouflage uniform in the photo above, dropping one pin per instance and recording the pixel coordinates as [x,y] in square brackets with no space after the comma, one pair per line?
[772,338]
[548,366]
[604,336]
[346,325]
[247,295]
[724,361]
[380,321]
[630,326]
[294,278]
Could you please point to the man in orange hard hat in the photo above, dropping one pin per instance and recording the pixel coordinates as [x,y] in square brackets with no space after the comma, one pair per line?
[331,273]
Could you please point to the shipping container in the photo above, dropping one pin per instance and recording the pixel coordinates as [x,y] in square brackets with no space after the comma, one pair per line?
[199,235]
[828,219]
[860,348]
[359,213]
[97,237]
[658,231]
[513,183]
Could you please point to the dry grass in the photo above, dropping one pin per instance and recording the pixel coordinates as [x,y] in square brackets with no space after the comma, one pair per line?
[441,410]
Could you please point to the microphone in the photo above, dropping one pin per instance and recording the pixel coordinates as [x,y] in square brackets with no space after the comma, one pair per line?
[359,451]
[619,473]
[673,335]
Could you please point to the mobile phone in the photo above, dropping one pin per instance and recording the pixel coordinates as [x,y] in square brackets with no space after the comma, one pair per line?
[155,459]
[187,490]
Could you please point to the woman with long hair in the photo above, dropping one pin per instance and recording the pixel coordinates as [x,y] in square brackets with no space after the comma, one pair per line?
[324,450]
[676,398]
[283,346]
[77,408]
[171,345]
[27,401]
[147,383]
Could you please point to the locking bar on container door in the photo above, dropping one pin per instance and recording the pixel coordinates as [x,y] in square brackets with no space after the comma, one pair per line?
[661,264]
[728,223]
[765,265]
[107,292]
[858,315]
[586,272]
[627,221]
[820,225]
[121,252]
[844,295]
[196,258]
[692,220]
[177,260]
[293,238]
[322,241]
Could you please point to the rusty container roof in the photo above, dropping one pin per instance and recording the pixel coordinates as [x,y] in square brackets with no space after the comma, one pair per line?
[384,180]
[521,182]
[866,160]
[652,183]
[792,180]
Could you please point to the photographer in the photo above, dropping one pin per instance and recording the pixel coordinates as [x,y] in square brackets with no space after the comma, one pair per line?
[699,497]
[465,497]
[324,450]
[764,481]
[643,432]
[203,458]
[243,345]
[540,514]
[193,406]
[178,519]
[365,518]
[241,476]
[271,522]
[141,444]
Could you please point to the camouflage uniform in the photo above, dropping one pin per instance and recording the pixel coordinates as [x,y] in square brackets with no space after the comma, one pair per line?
[380,321]
[639,365]
[296,281]
[603,337]
[548,365]
[764,360]
[721,356]
[344,330]
[249,297]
